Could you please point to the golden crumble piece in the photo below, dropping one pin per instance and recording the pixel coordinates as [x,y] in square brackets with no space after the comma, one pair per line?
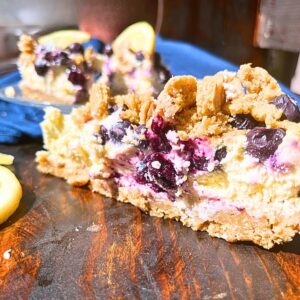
[147,110]
[209,126]
[186,119]
[258,82]
[233,89]
[137,108]
[131,107]
[210,95]
[99,100]
[52,126]
[81,114]
[26,44]
[261,111]
[179,93]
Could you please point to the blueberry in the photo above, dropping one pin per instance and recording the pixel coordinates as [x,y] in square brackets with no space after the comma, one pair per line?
[60,59]
[118,131]
[199,163]
[108,50]
[48,56]
[76,48]
[81,95]
[141,129]
[77,77]
[288,106]
[157,135]
[141,173]
[139,56]
[41,67]
[245,122]
[104,135]
[158,124]
[158,143]
[263,142]
[156,171]
[220,154]
[112,108]
[165,175]
[142,143]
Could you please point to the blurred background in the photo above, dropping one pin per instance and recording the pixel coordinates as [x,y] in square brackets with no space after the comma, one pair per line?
[264,32]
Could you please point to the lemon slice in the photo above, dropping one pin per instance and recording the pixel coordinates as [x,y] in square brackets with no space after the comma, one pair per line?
[10,193]
[138,37]
[64,38]
[6,159]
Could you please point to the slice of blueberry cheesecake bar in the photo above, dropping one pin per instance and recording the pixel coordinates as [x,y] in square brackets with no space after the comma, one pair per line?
[56,75]
[126,70]
[220,154]
[131,64]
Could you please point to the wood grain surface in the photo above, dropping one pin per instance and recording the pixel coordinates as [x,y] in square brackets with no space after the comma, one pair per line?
[68,243]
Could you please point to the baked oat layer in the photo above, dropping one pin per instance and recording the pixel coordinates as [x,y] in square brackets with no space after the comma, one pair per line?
[220,154]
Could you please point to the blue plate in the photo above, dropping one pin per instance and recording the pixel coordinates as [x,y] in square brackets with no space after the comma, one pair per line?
[18,98]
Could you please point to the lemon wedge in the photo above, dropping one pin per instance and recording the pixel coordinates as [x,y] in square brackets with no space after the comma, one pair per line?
[10,193]
[6,159]
[64,38]
[138,37]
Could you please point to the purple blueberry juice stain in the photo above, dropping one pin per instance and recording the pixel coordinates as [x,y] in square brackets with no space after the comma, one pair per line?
[276,165]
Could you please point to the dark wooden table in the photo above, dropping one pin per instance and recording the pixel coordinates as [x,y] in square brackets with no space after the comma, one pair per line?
[68,243]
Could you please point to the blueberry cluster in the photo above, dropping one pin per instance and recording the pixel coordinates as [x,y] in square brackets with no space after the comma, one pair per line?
[156,170]
[61,58]
[262,142]
[198,161]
